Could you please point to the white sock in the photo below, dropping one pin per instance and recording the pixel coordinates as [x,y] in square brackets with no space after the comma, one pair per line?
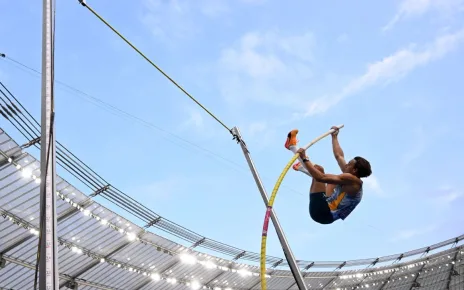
[301,168]
[293,148]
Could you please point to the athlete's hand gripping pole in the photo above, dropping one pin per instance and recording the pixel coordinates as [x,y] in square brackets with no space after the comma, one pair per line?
[271,203]
[320,138]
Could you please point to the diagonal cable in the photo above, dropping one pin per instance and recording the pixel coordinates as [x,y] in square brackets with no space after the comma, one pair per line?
[124,114]
[154,65]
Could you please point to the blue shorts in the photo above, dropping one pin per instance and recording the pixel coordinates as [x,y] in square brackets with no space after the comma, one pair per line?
[319,208]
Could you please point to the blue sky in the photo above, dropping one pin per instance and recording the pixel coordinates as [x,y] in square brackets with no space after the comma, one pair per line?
[389,70]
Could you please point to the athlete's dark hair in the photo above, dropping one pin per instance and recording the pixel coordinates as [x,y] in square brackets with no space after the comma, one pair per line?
[363,167]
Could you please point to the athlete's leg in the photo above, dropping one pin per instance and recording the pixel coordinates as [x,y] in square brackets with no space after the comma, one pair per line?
[318,208]
[317,186]
[291,144]
[299,167]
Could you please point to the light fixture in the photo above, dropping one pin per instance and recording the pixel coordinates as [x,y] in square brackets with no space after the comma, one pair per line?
[188,259]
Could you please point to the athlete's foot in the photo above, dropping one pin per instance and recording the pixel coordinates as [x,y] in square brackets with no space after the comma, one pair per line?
[299,167]
[296,166]
[291,139]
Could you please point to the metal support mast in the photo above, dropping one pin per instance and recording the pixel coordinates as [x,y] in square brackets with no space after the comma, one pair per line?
[48,264]
[283,240]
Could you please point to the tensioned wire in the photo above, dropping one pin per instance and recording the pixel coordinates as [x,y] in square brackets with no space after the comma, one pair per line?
[250,256]
[30,131]
[116,198]
[119,198]
[34,123]
[121,113]
[169,78]
[125,202]
[81,170]
[124,114]
[122,200]
[155,66]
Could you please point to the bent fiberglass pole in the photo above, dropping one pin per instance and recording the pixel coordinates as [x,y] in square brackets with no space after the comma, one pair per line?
[283,240]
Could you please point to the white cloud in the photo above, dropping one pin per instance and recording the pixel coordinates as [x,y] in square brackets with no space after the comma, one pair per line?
[195,119]
[257,128]
[178,19]
[213,8]
[247,60]
[417,149]
[408,234]
[390,69]
[259,135]
[181,19]
[258,53]
[414,8]
[446,196]
[373,185]
[273,69]
[451,197]
[266,68]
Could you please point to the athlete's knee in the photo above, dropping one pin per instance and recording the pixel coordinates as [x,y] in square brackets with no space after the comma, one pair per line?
[320,168]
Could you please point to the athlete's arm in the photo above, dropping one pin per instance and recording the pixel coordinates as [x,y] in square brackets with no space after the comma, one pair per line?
[337,150]
[341,179]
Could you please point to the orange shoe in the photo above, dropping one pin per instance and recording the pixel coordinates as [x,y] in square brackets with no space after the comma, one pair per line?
[296,166]
[291,139]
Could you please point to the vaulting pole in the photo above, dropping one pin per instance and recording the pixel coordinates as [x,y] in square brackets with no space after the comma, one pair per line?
[48,264]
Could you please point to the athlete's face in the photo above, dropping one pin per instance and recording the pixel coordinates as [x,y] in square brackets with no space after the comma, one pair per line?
[349,167]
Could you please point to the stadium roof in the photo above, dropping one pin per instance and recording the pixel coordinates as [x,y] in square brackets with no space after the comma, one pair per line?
[99,249]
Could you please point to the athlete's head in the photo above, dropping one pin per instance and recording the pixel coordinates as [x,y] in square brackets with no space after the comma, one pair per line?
[359,166]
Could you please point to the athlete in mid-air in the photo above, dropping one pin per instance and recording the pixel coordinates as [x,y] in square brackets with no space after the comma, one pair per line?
[331,197]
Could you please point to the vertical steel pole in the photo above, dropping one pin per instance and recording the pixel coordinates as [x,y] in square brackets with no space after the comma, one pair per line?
[48,265]
[280,233]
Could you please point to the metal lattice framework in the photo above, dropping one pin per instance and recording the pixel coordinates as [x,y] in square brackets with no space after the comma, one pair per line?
[102,250]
